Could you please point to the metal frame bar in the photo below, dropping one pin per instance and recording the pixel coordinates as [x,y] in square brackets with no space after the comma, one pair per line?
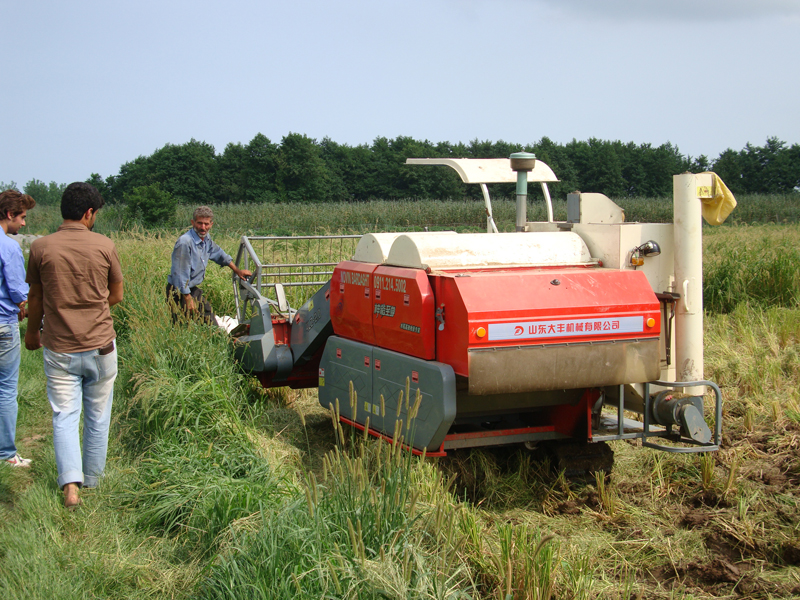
[267,276]
[667,432]
[698,446]
[500,437]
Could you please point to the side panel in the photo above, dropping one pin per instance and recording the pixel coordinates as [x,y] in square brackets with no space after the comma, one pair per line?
[375,372]
[612,244]
[403,313]
[311,326]
[562,366]
[351,301]
[344,361]
[436,383]
[260,351]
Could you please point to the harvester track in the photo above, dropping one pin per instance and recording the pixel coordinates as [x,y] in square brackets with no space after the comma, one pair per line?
[580,460]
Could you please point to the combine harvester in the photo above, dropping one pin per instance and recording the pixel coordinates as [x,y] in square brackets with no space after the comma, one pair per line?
[506,338]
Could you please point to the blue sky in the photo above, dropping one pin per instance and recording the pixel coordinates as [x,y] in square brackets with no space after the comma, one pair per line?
[89,85]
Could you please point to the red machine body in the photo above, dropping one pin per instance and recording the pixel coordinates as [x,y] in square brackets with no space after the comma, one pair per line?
[524,306]
[389,307]
[444,316]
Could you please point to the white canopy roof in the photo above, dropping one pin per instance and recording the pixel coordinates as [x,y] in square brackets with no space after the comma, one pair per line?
[479,250]
[487,170]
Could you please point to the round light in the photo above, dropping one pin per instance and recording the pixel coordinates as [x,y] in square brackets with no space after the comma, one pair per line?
[480,332]
[651,322]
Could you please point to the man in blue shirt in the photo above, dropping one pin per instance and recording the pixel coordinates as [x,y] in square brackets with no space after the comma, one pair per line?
[190,258]
[14,208]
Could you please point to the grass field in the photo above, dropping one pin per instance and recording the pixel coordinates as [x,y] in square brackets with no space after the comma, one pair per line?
[216,488]
[381,215]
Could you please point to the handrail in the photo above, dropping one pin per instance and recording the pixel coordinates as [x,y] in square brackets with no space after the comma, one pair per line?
[289,270]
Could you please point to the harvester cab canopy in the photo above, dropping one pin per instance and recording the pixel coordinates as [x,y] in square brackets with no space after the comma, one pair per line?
[496,170]
[488,170]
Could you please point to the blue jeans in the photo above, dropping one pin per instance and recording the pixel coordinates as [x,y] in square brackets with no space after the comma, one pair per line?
[9,376]
[74,381]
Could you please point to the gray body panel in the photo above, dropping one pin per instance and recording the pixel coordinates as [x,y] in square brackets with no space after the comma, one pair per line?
[376,372]
[311,326]
[258,352]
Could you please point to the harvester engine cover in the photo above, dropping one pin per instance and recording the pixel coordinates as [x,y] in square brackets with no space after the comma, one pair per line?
[482,326]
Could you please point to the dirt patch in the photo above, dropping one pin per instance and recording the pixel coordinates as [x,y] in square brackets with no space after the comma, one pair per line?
[790,554]
[695,518]
[754,587]
[32,439]
[570,507]
[720,577]
[717,544]
[711,499]
[717,570]
[768,472]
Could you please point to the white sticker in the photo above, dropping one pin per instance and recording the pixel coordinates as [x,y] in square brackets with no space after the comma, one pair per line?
[565,328]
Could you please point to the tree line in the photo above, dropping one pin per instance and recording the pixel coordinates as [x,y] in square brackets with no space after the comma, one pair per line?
[301,169]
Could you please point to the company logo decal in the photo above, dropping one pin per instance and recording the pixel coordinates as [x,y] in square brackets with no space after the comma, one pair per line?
[384,310]
[565,328]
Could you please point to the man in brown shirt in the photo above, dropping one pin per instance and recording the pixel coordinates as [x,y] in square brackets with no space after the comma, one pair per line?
[75,277]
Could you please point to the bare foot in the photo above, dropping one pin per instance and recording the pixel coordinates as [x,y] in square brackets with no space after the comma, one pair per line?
[71,498]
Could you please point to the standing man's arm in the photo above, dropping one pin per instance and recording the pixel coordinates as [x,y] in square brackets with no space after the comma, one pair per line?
[35,315]
[241,273]
[114,293]
[182,272]
[223,259]
[12,265]
[23,310]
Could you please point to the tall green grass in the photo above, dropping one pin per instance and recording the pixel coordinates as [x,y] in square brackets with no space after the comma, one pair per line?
[403,215]
[758,265]
[379,524]
[210,491]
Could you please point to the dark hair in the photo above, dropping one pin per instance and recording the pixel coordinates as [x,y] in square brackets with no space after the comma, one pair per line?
[14,202]
[78,198]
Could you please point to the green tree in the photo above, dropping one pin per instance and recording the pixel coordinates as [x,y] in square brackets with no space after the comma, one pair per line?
[301,175]
[101,185]
[728,166]
[699,164]
[348,168]
[46,194]
[557,158]
[260,164]
[598,166]
[187,171]
[770,169]
[151,204]
[231,180]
